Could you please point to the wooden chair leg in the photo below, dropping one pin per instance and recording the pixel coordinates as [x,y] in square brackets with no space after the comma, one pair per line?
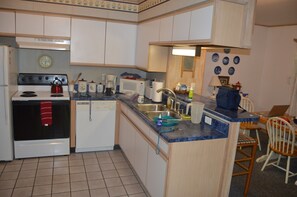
[250,170]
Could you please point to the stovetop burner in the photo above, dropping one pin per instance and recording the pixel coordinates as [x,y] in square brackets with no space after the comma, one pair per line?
[57,95]
[28,92]
[28,95]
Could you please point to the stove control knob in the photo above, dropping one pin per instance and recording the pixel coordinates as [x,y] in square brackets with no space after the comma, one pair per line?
[46,78]
[40,78]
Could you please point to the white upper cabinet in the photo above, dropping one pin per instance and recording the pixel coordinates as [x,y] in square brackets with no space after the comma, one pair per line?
[181,26]
[201,23]
[57,26]
[147,32]
[120,43]
[29,24]
[166,25]
[7,22]
[32,24]
[87,41]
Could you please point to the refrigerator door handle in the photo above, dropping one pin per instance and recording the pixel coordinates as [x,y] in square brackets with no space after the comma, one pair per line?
[6,107]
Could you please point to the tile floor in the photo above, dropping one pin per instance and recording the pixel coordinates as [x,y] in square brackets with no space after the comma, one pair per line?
[102,174]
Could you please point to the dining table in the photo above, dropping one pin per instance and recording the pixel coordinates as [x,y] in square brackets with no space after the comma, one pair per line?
[262,123]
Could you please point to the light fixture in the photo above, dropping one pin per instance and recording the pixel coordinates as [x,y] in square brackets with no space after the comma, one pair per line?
[184,51]
[214,82]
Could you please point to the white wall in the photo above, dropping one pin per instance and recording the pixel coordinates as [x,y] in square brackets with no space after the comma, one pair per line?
[266,71]
[28,63]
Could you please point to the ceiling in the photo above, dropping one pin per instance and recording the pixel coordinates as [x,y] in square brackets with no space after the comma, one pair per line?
[276,12]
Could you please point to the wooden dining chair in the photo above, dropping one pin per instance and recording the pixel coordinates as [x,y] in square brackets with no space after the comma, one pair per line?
[282,142]
[246,127]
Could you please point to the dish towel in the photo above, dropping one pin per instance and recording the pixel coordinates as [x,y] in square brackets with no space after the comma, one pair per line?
[46,113]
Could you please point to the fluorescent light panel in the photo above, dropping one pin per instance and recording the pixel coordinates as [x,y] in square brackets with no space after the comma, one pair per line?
[184,51]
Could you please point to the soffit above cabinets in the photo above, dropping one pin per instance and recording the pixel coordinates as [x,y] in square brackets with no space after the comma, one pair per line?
[133,6]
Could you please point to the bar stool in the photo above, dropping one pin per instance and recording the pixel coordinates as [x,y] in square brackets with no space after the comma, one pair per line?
[245,142]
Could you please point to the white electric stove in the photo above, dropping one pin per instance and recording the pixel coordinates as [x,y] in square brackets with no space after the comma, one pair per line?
[41,119]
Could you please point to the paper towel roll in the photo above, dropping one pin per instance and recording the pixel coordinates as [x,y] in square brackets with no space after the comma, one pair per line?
[157,97]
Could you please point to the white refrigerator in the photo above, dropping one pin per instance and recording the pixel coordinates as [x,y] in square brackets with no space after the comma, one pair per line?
[8,86]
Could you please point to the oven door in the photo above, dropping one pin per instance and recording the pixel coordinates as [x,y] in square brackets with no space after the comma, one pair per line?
[27,121]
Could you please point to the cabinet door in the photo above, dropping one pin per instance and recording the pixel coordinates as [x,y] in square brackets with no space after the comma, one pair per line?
[166,25]
[7,22]
[127,138]
[201,23]
[87,41]
[181,26]
[29,24]
[57,26]
[158,58]
[141,151]
[120,43]
[156,174]
[147,32]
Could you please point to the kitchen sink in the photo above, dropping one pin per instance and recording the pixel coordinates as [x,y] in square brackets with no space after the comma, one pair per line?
[172,114]
[151,107]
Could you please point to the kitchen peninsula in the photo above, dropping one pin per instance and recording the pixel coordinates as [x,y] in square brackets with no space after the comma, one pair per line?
[193,160]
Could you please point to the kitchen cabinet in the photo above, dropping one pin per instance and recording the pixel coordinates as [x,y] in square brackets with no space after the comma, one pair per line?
[181,26]
[87,42]
[56,26]
[156,173]
[148,57]
[166,25]
[7,22]
[127,138]
[189,168]
[201,23]
[40,25]
[147,32]
[141,158]
[134,146]
[120,43]
[29,24]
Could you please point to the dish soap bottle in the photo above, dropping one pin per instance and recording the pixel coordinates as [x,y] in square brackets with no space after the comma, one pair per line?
[191,92]
[159,121]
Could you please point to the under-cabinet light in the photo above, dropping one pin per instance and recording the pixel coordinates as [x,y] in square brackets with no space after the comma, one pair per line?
[184,51]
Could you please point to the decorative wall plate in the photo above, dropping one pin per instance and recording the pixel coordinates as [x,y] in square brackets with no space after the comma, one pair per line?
[215,57]
[225,60]
[217,70]
[236,60]
[231,70]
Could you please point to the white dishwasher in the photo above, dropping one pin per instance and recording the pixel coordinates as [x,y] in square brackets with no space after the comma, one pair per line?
[95,125]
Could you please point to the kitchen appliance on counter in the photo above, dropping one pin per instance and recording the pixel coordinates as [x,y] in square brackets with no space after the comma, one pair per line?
[132,86]
[111,84]
[41,119]
[8,86]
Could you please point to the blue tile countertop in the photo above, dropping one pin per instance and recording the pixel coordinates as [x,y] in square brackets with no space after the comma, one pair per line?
[211,107]
[185,130]
[91,96]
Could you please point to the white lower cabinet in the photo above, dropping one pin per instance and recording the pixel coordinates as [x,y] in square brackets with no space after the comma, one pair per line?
[149,166]
[127,138]
[156,174]
[140,162]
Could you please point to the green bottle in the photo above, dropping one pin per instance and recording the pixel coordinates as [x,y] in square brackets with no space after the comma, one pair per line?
[191,92]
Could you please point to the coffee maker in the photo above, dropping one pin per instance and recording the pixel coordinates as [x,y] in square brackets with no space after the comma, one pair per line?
[110,84]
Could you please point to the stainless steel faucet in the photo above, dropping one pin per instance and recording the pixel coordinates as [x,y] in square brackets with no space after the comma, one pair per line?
[172,93]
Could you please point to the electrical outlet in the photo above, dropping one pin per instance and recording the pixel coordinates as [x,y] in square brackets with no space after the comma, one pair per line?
[207,120]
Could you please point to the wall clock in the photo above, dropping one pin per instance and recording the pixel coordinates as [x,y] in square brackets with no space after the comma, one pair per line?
[45,61]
